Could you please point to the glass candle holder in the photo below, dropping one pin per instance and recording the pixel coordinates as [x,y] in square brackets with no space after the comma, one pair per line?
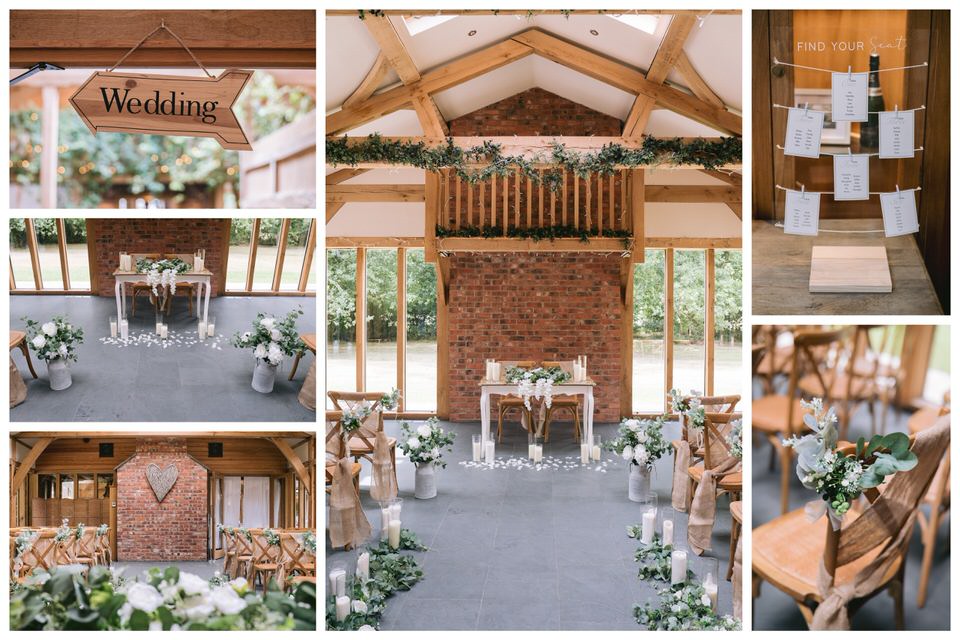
[707,573]
[666,523]
[337,579]
[477,447]
[212,326]
[648,517]
[114,327]
[597,448]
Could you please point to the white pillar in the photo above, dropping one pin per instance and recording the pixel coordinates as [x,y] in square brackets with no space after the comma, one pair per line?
[50,129]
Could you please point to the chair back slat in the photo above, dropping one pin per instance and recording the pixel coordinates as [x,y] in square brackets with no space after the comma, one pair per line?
[715,445]
[810,347]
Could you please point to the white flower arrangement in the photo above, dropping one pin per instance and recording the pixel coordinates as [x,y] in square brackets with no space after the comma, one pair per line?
[837,477]
[391,401]
[735,439]
[162,274]
[271,339]
[102,530]
[425,443]
[640,442]
[54,339]
[272,538]
[63,531]
[354,417]
[688,406]
[23,543]
[536,383]
[308,542]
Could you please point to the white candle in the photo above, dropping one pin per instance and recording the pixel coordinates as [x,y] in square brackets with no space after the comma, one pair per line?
[338,582]
[496,371]
[667,532]
[596,452]
[395,510]
[648,526]
[584,453]
[113,328]
[710,588]
[124,329]
[163,332]
[490,452]
[343,608]
[678,566]
[210,329]
[477,450]
[537,453]
[489,374]
[394,534]
[198,264]
[363,566]
[202,329]
[159,324]
[384,523]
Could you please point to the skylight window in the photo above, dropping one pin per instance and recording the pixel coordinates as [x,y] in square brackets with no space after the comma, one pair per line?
[419,24]
[647,23]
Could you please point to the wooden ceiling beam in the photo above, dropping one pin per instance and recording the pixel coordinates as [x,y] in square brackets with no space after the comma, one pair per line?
[688,194]
[682,242]
[629,79]
[333,208]
[370,82]
[732,179]
[695,81]
[375,193]
[373,242]
[342,175]
[671,46]
[537,12]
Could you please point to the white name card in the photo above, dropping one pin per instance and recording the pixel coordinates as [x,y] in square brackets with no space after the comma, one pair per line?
[899,212]
[896,134]
[851,177]
[849,93]
[804,127]
[801,213]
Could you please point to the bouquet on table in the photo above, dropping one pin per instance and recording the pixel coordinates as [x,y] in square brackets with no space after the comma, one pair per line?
[536,383]
[162,276]
[839,477]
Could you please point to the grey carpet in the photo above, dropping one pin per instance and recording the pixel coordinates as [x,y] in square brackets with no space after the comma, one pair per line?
[187,381]
[774,610]
[526,549]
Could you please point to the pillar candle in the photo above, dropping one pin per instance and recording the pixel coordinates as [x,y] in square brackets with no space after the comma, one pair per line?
[678,566]
[477,451]
[163,331]
[648,526]
[338,582]
[124,329]
[198,264]
[210,329]
[384,523]
[490,452]
[202,329]
[394,534]
[710,588]
[584,453]
[496,371]
[363,566]
[157,328]
[113,328]
[537,453]
[343,608]
[596,452]
[395,510]
[667,532]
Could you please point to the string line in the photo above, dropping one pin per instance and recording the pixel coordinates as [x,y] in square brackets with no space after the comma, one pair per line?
[801,66]
[162,27]
[830,193]
[851,231]
[830,111]
[872,155]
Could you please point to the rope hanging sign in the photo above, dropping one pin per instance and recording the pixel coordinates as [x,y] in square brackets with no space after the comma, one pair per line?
[163,104]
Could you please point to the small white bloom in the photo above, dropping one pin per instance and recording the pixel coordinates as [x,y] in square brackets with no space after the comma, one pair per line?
[424,431]
[260,351]
[275,334]
[358,606]
[642,436]
[193,584]
[239,585]
[62,349]
[413,443]
[640,454]
[435,452]
[705,600]
[39,341]
[226,600]
[633,423]
[144,597]
[49,328]
[267,323]
[627,453]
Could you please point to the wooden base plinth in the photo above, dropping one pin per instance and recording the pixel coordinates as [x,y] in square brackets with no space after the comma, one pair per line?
[838,269]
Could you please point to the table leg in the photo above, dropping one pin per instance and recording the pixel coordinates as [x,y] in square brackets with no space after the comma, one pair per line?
[588,415]
[484,416]
[199,293]
[206,302]
[118,291]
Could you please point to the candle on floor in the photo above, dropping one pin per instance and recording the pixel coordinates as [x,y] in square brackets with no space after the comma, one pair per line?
[710,587]
[648,526]
[678,566]
[211,324]
[384,523]
[490,452]
[202,329]
[584,453]
[477,447]
[124,329]
[159,324]
[596,448]
[338,581]
[667,537]
[113,327]
[395,508]
[343,608]
[537,453]
[363,566]
[163,332]
[394,534]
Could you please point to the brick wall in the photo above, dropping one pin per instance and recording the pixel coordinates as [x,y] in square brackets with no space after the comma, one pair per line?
[535,112]
[536,306]
[152,235]
[175,529]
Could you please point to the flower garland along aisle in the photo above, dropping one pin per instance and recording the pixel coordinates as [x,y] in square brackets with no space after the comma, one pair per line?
[55,343]
[641,444]
[162,278]
[840,478]
[167,600]
[424,446]
[389,571]
[272,340]
[685,603]
[536,383]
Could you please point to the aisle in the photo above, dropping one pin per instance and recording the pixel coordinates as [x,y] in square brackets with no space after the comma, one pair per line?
[527,549]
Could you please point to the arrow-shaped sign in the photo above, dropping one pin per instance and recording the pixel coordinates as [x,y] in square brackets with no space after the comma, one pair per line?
[164,105]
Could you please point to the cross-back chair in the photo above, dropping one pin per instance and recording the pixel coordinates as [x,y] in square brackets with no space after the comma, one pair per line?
[716,427]
[336,450]
[266,558]
[715,404]
[140,287]
[298,564]
[363,440]
[507,404]
[562,403]
[776,357]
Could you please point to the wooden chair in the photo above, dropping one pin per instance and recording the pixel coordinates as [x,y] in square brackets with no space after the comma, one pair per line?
[86,547]
[266,558]
[716,404]
[18,340]
[298,564]
[506,404]
[788,551]
[937,498]
[780,416]
[776,358]
[310,341]
[736,525]
[229,552]
[140,287]
[42,555]
[854,385]
[715,449]
[562,403]
[336,450]
[183,288]
[246,552]
[362,440]
[102,552]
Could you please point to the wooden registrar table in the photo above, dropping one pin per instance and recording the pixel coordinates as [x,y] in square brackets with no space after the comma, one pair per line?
[781,273]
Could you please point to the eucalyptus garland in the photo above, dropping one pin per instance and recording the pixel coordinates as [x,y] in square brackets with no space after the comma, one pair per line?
[548,233]
[390,571]
[654,558]
[684,606]
[479,162]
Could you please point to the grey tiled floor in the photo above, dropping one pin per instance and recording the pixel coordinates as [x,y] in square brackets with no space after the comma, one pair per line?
[526,549]
[189,382]
[774,610]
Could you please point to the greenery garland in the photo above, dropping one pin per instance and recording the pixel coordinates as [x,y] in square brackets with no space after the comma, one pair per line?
[654,558]
[709,154]
[531,13]
[554,374]
[683,606]
[390,571]
[548,233]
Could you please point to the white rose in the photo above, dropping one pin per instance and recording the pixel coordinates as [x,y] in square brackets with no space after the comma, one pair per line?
[642,436]
[640,454]
[267,323]
[245,336]
[366,627]
[239,585]
[144,597]
[226,600]
[260,351]
[413,443]
[435,452]
[193,584]
[275,334]
[627,453]
[358,606]
[424,431]
[49,328]
[633,423]
[39,341]
[62,349]
[705,600]
[197,608]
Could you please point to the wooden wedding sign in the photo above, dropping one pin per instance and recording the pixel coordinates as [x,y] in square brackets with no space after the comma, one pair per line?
[164,105]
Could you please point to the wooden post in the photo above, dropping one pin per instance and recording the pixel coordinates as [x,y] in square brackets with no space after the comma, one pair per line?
[540,199]
[113,522]
[668,323]
[469,204]
[402,325]
[493,200]
[599,204]
[506,204]
[576,201]
[626,336]
[443,352]
[636,217]
[49,154]
[432,207]
[31,234]
[516,200]
[563,197]
[530,203]
[710,295]
[613,201]
[456,211]
[360,326]
[624,222]
[62,250]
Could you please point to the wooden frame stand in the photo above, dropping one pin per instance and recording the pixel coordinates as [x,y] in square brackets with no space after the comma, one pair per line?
[838,269]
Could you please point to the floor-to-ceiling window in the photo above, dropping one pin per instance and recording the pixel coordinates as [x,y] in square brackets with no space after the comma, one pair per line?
[271,255]
[341,319]
[421,341]
[649,315]
[728,322]
[49,254]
